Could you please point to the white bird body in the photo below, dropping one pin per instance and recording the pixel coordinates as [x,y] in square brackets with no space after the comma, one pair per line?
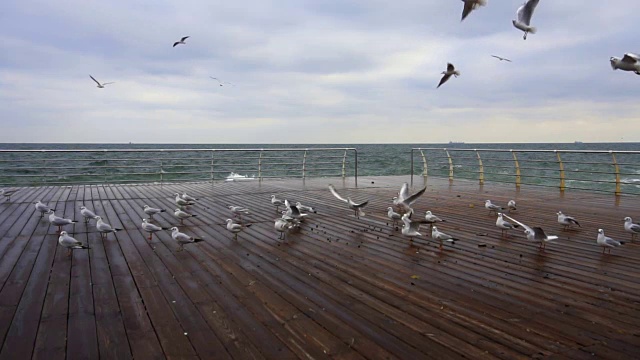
[303,208]
[42,208]
[492,207]
[58,221]
[151,228]
[70,243]
[276,202]
[394,216]
[357,208]
[180,214]
[567,221]
[451,70]
[152,211]
[631,228]
[607,242]
[188,198]
[87,214]
[182,202]
[410,228]
[238,210]
[629,62]
[523,15]
[282,225]
[431,219]
[503,224]
[235,228]
[440,236]
[511,205]
[293,212]
[535,234]
[103,227]
[182,238]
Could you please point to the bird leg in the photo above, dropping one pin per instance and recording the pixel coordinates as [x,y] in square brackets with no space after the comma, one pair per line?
[525,35]
[604,249]
[68,252]
[150,235]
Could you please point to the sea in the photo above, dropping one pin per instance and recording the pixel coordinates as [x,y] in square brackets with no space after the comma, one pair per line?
[538,164]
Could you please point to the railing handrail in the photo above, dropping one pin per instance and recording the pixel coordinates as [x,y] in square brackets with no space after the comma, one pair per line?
[168,150]
[537,150]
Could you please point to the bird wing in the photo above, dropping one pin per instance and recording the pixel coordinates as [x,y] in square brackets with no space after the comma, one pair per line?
[609,241]
[176,43]
[94,79]
[630,58]
[634,227]
[518,222]
[444,80]
[411,199]
[107,83]
[450,67]
[526,11]
[68,241]
[468,7]
[335,193]
[184,38]
[404,193]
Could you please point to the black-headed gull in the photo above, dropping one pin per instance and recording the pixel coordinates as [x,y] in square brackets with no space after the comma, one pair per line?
[440,236]
[87,214]
[535,234]
[189,198]
[182,202]
[220,82]
[182,238]
[492,207]
[42,208]
[181,41]
[629,62]
[101,86]
[7,193]
[511,205]
[180,214]
[58,221]
[607,242]
[404,201]
[431,219]
[282,226]
[524,14]
[152,211]
[410,228]
[305,209]
[276,202]
[631,228]
[394,216]
[451,70]
[504,225]
[235,228]
[151,228]
[357,208]
[566,221]
[470,5]
[70,243]
[104,228]
[238,210]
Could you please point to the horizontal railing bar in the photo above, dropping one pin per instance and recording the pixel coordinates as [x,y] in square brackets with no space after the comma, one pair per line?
[165,150]
[520,151]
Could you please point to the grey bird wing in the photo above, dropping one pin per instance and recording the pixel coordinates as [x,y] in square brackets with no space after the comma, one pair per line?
[609,241]
[184,38]
[635,228]
[450,67]
[519,223]
[335,193]
[526,11]
[411,199]
[443,80]
[468,7]
[361,205]
[176,43]
[538,234]
[404,193]
[630,58]
[92,78]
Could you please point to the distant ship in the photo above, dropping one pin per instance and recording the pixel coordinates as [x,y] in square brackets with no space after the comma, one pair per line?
[577,142]
[455,142]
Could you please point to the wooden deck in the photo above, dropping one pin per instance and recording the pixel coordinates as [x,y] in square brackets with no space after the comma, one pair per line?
[342,288]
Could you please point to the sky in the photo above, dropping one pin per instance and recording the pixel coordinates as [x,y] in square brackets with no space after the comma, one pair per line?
[315,72]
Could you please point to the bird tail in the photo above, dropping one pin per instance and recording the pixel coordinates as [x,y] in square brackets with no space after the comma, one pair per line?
[163,210]
[85,247]
[551,238]
[194,215]
[482,2]
[197,240]
[248,225]
[117,229]
[74,221]
[516,226]
[532,29]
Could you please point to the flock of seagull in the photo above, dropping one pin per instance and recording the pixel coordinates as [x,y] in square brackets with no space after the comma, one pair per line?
[294,215]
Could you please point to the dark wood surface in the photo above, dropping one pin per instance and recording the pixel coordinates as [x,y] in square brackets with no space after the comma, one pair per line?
[341,287]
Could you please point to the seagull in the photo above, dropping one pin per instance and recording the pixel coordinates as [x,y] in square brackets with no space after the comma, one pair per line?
[188,198]
[607,242]
[629,62]
[7,193]
[305,209]
[220,82]
[451,70]
[70,243]
[535,234]
[104,228]
[357,208]
[566,221]
[630,227]
[470,5]
[58,221]
[182,215]
[87,214]
[182,238]
[524,14]
[293,212]
[501,58]
[431,219]
[42,208]
[492,207]
[276,202]
[404,201]
[282,226]
[151,228]
[504,225]
[152,211]
[437,235]
[181,41]
[410,228]
[235,228]
[511,205]
[101,86]
[394,216]
[182,202]
[238,210]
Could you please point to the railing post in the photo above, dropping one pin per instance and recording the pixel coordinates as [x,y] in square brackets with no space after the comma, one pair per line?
[562,176]
[304,163]
[355,169]
[450,165]
[212,177]
[411,167]
[260,165]
[481,169]
[161,173]
[517,165]
[424,164]
[617,172]
[344,163]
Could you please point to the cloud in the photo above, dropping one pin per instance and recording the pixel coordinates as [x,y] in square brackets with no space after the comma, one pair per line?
[336,71]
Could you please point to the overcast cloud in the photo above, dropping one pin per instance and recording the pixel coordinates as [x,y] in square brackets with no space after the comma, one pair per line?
[322,71]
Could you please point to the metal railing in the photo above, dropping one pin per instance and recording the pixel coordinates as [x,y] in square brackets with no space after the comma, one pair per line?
[122,166]
[599,170]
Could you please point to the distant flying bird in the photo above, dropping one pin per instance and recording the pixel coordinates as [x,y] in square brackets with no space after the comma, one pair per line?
[470,5]
[629,62]
[181,41]
[220,82]
[524,14]
[101,86]
[451,70]
[501,58]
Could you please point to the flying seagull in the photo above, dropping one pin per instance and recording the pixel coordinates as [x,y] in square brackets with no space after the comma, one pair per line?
[181,41]
[404,201]
[470,5]
[101,86]
[451,70]
[524,14]
[357,208]
[220,82]
[629,62]
[501,58]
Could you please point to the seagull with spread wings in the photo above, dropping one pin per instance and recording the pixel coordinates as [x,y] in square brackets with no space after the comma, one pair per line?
[357,208]
[629,62]
[451,70]
[501,58]
[181,41]
[470,5]
[101,86]
[524,14]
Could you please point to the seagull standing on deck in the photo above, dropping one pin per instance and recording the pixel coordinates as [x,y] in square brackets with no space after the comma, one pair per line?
[535,234]
[101,86]
[511,205]
[7,193]
[181,41]
[357,208]
[567,221]
[394,216]
[276,202]
[410,228]
[451,70]
[182,238]
[630,227]
[87,214]
[524,14]
[152,211]
[151,228]
[504,225]
[440,236]
[70,243]
[431,219]
[470,5]
[104,228]
[58,221]
[235,228]
[492,207]
[607,242]
[42,208]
